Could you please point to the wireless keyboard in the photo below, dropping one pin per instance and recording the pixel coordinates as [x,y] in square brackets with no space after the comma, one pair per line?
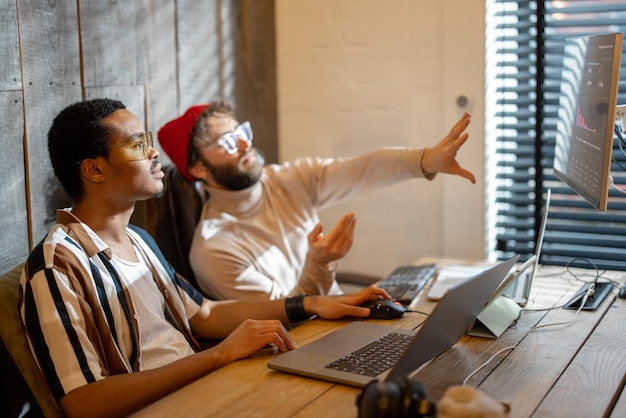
[405,282]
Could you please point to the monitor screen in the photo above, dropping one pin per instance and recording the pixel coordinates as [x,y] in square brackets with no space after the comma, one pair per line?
[586,115]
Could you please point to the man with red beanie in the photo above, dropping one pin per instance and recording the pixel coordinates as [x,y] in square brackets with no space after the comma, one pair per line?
[259,236]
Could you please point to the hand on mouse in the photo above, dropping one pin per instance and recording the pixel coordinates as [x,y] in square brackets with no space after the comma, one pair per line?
[384,309]
[338,306]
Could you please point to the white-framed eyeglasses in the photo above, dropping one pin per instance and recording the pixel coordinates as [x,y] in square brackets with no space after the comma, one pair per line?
[229,140]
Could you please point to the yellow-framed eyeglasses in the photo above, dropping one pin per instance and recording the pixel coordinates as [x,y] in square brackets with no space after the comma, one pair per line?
[139,146]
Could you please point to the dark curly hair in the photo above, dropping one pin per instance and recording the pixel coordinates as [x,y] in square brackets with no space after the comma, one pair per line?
[77,134]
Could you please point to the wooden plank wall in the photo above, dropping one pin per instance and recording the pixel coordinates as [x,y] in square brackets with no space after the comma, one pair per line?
[13,218]
[157,56]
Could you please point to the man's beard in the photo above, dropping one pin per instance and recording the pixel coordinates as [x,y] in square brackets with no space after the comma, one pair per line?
[236,177]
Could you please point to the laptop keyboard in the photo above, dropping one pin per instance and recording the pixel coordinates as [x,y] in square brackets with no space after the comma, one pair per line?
[405,282]
[374,358]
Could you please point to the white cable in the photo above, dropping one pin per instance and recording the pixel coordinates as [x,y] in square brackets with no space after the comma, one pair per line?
[588,293]
[487,362]
[553,308]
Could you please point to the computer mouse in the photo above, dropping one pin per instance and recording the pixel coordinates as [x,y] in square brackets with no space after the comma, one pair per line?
[384,309]
[622,291]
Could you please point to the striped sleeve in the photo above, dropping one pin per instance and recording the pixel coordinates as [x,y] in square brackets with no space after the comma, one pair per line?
[53,312]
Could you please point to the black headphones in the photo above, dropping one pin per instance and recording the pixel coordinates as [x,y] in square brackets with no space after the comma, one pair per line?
[402,398]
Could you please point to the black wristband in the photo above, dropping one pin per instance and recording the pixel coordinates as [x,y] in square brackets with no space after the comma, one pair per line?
[294,306]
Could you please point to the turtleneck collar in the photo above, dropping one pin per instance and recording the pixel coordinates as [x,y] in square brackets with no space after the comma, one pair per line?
[240,202]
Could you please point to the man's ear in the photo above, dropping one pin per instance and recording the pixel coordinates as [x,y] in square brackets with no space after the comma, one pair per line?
[91,170]
[199,171]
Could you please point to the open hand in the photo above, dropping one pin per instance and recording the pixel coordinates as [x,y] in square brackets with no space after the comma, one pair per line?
[442,157]
[324,249]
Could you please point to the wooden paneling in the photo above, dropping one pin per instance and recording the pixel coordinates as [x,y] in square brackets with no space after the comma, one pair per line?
[10,77]
[14,245]
[51,73]
[160,50]
[112,43]
[255,86]
[230,54]
[197,27]
[231,48]
[157,56]
[13,222]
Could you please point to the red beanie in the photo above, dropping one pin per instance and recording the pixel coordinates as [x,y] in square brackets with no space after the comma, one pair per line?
[174,138]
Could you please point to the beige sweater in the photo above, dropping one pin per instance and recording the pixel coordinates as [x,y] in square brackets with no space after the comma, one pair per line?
[252,244]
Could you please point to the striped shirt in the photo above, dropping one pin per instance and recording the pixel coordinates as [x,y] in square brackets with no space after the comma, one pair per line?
[81,317]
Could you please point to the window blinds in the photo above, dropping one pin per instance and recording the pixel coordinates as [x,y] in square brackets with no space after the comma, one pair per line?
[525,42]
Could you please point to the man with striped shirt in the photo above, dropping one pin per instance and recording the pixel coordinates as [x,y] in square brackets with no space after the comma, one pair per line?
[111,324]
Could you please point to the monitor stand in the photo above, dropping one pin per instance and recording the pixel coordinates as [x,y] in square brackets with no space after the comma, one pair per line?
[593,301]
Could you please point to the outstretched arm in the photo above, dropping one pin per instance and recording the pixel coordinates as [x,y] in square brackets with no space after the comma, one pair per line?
[217,319]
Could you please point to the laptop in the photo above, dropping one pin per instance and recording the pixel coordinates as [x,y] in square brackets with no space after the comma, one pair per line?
[444,327]
[517,284]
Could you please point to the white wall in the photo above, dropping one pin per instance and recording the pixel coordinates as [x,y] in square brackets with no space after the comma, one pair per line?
[358,74]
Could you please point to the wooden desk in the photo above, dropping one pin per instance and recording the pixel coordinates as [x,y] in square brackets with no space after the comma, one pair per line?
[573,370]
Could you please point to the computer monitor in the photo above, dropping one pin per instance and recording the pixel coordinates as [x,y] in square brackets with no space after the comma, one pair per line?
[585,129]
[586,115]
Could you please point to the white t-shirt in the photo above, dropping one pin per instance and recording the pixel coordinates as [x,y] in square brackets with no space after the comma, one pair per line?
[161,343]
